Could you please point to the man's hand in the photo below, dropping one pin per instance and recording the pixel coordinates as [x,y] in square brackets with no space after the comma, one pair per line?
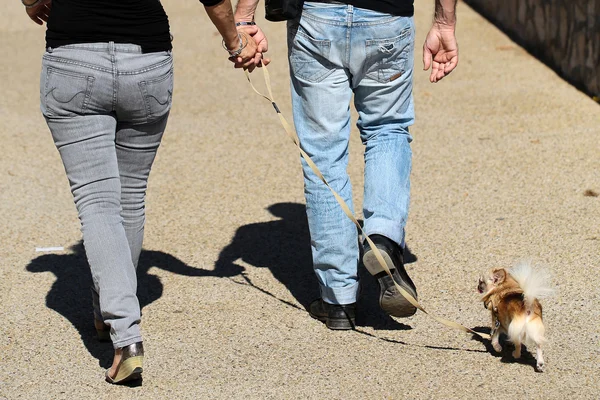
[40,13]
[440,51]
[262,46]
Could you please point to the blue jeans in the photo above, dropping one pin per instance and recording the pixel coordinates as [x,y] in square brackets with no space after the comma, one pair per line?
[107,106]
[337,51]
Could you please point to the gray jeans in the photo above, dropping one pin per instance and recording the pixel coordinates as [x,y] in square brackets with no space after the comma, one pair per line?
[107,106]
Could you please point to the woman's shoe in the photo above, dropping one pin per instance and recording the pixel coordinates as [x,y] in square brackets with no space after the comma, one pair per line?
[129,360]
[102,331]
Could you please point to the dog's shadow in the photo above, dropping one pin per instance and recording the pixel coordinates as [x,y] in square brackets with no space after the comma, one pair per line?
[283,246]
[70,295]
[527,358]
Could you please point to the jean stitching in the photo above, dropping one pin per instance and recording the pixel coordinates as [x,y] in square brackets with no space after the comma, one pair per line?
[313,17]
[143,84]
[146,69]
[403,35]
[399,64]
[316,18]
[80,64]
[89,85]
[101,49]
[103,69]
[294,59]
[320,42]
[88,93]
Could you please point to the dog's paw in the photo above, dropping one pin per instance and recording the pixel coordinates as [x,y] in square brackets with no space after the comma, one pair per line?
[497,347]
[517,353]
[539,367]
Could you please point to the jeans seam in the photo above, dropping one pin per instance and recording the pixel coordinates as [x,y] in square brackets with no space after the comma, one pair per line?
[103,47]
[77,63]
[89,80]
[113,60]
[103,69]
[313,17]
[146,69]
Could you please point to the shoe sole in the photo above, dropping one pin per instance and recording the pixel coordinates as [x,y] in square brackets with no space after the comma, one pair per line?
[390,299]
[336,324]
[131,369]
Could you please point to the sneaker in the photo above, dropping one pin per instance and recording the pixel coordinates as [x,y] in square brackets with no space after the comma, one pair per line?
[336,317]
[390,299]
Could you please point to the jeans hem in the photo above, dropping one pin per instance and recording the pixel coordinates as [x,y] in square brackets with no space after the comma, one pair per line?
[340,295]
[390,229]
[126,342]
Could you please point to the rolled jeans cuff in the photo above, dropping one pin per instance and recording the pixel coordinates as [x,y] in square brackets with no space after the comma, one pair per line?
[390,229]
[340,295]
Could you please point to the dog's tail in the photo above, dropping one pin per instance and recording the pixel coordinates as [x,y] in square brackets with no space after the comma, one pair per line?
[535,281]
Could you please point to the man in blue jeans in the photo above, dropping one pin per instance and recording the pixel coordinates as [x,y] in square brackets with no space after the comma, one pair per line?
[365,49]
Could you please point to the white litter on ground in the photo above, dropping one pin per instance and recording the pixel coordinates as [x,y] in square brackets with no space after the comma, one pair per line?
[48,249]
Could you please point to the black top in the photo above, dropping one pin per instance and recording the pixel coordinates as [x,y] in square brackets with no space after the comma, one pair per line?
[141,22]
[403,8]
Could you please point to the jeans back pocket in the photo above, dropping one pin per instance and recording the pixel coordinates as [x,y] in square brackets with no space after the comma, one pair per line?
[65,93]
[308,57]
[158,95]
[386,59]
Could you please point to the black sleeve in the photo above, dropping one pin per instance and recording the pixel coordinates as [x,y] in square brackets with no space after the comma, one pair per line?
[210,3]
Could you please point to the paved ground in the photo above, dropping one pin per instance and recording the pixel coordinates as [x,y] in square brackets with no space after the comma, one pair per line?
[503,153]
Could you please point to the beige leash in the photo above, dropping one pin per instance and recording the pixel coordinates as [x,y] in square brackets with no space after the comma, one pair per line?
[293,135]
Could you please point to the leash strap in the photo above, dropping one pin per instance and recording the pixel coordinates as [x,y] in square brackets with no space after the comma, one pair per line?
[294,136]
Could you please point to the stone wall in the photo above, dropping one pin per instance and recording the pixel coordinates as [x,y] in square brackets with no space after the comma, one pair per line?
[564,34]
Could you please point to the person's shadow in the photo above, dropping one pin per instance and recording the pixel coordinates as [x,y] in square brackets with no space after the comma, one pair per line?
[70,295]
[283,246]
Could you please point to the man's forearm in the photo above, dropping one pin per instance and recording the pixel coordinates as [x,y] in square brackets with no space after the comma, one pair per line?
[445,12]
[245,9]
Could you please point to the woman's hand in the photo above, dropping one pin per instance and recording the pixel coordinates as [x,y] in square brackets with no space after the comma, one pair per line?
[40,12]
[248,58]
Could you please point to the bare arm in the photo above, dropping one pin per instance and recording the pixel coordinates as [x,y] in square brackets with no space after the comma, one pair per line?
[245,9]
[221,15]
[445,12]
[244,12]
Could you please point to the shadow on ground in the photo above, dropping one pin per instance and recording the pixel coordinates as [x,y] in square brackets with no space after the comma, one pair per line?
[283,246]
[527,357]
[70,295]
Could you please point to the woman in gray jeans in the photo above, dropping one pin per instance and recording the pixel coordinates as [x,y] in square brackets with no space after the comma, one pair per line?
[105,92]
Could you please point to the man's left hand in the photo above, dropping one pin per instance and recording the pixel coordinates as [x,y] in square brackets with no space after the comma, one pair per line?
[440,51]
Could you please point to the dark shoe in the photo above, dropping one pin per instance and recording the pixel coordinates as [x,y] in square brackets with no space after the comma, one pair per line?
[336,317]
[390,299]
[129,364]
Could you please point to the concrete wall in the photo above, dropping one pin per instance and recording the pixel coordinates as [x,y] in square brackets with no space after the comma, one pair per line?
[565,34]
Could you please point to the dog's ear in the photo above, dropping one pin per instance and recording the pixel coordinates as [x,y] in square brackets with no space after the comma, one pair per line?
[499,275]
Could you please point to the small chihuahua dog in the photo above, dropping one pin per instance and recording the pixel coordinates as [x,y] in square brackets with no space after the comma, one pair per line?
[512,297]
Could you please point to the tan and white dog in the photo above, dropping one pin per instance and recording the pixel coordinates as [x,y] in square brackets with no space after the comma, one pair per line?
[512,298]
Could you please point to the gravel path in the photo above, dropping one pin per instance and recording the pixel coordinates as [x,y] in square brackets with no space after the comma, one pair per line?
[504,153]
